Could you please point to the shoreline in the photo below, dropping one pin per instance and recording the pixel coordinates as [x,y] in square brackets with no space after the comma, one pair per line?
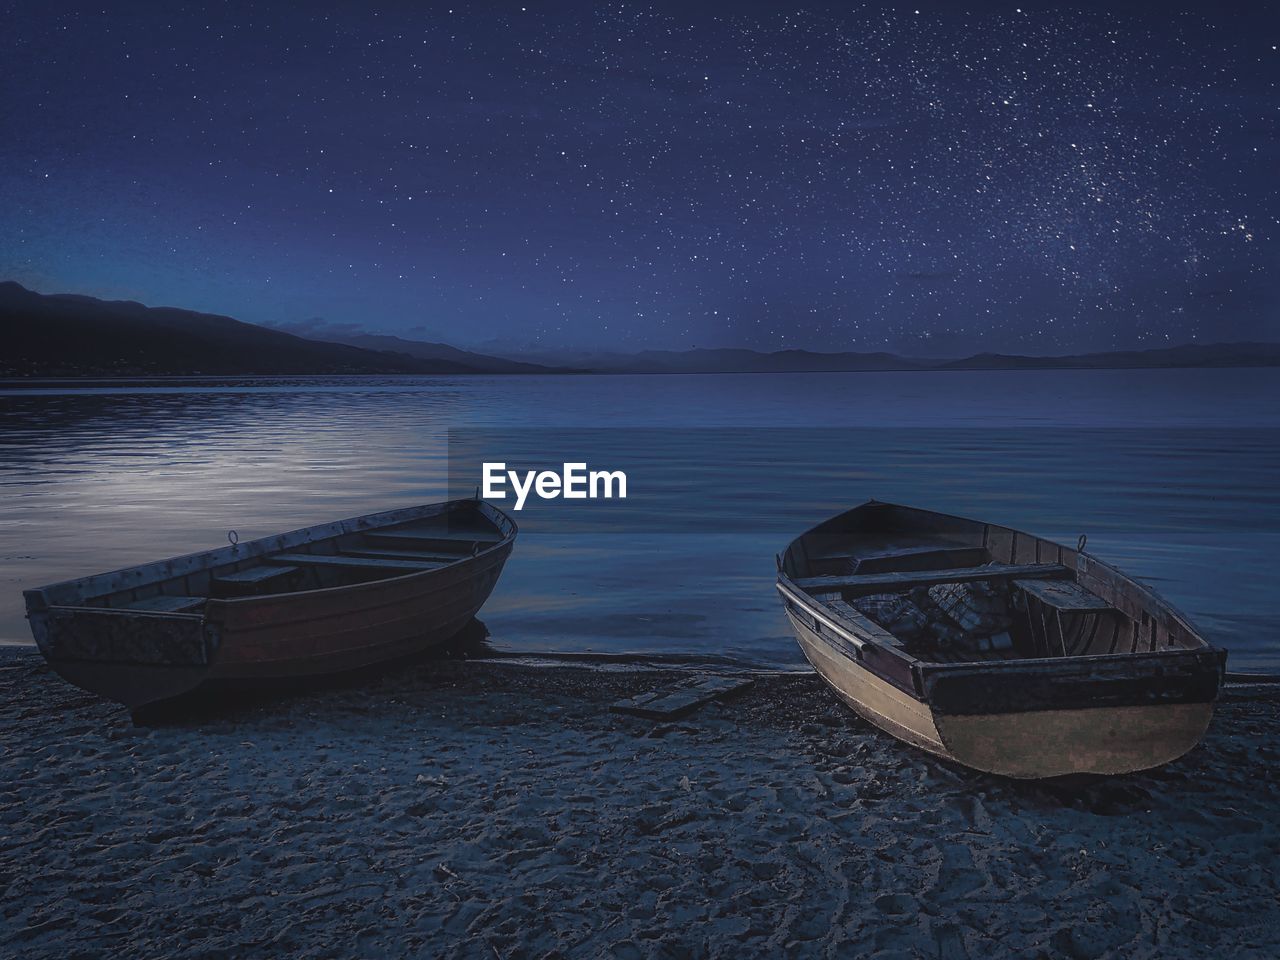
[490,808]
[39,381]
[656,661]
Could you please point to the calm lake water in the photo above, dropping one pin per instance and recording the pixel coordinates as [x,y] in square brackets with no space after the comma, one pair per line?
[1172,474]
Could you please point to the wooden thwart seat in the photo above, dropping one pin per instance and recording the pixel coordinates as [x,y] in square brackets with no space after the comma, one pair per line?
[254,576]
[910,559]
[453,534]
[422,556]
[328,560]
[1047,601]
[889,582]
[1066,596]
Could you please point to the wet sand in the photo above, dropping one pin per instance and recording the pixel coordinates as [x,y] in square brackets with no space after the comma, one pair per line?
[487,809]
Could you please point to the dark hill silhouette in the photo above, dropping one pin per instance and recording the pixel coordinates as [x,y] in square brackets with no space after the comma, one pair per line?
[424,350]
[69,335]
[730,360]
[804,361]
[1187,355]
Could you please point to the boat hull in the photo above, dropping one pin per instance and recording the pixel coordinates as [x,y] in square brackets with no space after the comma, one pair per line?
[1052,743]
[1034,744]
[328,631]
[870,696]
[299,635]
[140,657]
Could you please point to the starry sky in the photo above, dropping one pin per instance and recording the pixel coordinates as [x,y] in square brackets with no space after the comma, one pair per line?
[932,179]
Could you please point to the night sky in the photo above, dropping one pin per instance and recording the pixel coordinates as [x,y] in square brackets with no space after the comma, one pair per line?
[933,179]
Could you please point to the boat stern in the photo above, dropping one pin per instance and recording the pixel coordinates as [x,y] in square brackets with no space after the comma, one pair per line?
[129,656]
[1055,743]
[1095,715]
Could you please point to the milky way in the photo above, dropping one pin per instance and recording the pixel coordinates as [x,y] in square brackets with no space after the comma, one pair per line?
[936,180]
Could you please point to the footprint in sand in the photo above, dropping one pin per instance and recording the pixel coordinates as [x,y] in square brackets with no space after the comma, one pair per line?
[896,904]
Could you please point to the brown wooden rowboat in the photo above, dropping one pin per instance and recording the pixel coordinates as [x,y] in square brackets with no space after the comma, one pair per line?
[1095,673]
[321,600]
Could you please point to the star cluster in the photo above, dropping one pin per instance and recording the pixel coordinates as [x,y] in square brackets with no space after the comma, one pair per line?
[933,180]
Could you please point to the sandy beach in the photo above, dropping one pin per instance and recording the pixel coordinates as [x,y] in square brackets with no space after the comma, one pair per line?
[494,809]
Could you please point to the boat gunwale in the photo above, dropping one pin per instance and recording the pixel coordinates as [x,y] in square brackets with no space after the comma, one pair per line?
[925,671]
[819,610]
[338,589]
[37,598]
[1093,677]
[1152,595]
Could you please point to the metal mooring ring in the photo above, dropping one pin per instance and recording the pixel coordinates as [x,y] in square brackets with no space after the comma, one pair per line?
[233,538]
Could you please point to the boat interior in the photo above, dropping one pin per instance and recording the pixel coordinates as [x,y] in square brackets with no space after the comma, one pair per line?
[944,589]
[362,550]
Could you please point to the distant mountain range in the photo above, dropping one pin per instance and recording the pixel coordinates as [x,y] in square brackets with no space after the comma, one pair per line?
[728,360]
[478,362]
[1188,355]
[67,335]
[804,361]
